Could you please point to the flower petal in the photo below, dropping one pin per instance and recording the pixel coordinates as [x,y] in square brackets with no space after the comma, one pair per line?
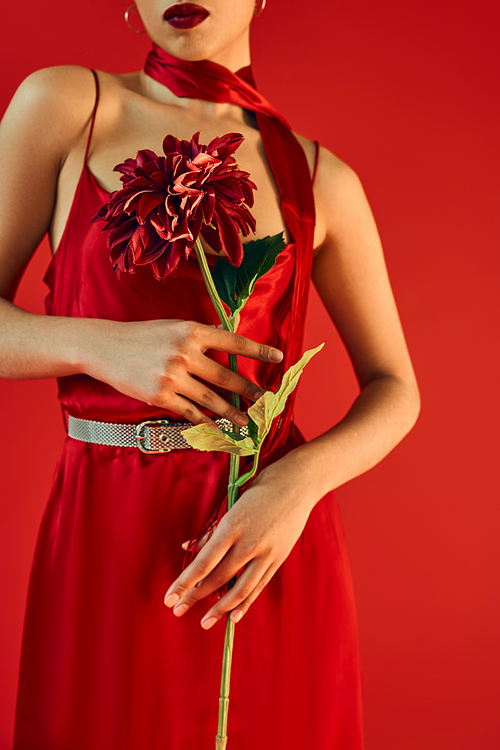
[167,201]
[225,145]
[168,261]
[229,238]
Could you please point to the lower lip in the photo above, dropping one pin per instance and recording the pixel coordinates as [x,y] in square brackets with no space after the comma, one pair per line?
[186,22]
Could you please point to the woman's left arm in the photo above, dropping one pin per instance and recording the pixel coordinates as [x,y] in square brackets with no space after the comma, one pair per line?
[260,530]
[350,275]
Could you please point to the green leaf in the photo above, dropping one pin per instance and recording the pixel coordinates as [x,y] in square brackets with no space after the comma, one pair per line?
[235,284]
[253,431]
[234,436]
[270,405]
[208,437]
[224,277]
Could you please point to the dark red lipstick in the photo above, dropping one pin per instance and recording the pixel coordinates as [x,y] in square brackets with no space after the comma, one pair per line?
[185,15]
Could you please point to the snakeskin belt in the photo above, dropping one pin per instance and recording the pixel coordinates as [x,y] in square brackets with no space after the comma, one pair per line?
[151,436]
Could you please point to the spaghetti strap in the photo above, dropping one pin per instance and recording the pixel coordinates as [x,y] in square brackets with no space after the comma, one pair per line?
[93,115]
[315,169]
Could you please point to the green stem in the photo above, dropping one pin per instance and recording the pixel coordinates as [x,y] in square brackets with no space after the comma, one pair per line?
[227,323]
[244,479]
[221,738]
[209,283]
[233,487]
[232,496]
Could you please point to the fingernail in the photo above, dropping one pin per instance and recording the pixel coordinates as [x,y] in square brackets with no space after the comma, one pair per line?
[236,615]
[178,611]
[207,624]
[171,599]
[258,394]
[275,355]
[240,420]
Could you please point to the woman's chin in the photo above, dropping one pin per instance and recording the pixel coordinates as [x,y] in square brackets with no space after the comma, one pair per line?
[186,45]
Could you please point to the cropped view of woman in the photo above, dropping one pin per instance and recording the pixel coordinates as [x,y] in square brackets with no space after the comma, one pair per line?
[122,647]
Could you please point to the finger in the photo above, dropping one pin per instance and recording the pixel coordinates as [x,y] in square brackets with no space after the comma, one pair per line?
[219,577]
[238,610]
[217,374]
[205,396]
[209,557]
[194,391]
[233,343]
[184,408]
[200,543]
[238,599]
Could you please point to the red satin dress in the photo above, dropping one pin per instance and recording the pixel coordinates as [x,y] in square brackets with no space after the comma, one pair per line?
[105,665]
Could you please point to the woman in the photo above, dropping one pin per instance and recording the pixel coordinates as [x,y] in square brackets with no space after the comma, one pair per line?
[105,664]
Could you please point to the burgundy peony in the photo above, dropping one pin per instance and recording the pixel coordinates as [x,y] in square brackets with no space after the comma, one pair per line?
[167,201]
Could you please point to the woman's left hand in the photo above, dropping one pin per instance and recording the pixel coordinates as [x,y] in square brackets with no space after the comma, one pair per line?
[257,533]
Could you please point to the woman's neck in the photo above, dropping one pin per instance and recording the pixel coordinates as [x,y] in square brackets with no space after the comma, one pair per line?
[233,56]
[199,109]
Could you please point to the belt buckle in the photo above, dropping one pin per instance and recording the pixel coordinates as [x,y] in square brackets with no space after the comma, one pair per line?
[162,438]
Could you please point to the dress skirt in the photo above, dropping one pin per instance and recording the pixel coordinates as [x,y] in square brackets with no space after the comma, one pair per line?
[106,666]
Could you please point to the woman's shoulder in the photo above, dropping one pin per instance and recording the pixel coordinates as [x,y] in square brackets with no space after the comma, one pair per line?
[66,90]
[338,193]
[53,103]
[56,104]
[58,88]
[330,168]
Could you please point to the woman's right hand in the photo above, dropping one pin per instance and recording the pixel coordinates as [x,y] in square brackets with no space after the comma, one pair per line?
[162,363]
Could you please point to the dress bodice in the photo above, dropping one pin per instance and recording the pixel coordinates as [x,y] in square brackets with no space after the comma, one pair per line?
[83,284]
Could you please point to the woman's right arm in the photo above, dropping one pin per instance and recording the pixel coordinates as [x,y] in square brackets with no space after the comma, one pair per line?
[45,120]
[153,361]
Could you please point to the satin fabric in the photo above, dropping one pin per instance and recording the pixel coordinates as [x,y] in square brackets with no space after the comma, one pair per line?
[208,80]
[105,666]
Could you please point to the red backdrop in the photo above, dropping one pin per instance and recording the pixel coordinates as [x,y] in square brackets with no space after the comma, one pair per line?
[404,93]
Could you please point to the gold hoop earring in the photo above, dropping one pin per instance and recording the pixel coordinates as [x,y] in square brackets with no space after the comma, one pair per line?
[127,19]
[258,13]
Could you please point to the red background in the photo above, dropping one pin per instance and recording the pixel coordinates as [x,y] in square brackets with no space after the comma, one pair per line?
[407,95]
